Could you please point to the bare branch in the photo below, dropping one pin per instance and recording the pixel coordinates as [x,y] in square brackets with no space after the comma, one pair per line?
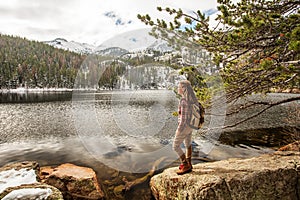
[293,62]
[270,105]
[294,75]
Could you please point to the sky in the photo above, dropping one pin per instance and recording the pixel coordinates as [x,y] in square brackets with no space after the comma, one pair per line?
[85,21]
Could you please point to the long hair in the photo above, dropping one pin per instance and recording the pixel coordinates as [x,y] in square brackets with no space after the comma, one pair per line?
[188,91]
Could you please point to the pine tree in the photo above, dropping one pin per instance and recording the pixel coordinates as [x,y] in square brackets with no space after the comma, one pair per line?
[36,64]
[256,43]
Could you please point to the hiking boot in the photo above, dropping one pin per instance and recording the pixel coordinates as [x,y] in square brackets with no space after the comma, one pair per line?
[189,160]
[186,168]
[189,155]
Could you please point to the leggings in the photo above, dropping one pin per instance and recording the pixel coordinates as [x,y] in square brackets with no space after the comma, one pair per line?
[182,136]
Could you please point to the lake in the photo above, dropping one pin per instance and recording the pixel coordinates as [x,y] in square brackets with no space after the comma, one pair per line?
[117,133]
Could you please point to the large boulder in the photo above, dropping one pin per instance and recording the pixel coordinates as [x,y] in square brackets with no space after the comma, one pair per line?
[73,181]
[270,176]
[20,181]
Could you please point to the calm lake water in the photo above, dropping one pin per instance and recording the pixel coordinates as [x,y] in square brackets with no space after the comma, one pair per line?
[116,133]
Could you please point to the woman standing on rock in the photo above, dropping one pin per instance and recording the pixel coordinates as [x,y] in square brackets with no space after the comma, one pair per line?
[184,131]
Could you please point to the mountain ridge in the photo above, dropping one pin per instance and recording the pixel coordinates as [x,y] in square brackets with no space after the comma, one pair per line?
[133,41]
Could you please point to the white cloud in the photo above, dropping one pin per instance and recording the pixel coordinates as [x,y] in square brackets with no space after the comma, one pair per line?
[83,21]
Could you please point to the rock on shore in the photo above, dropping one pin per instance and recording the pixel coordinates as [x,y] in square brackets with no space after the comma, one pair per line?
[73,181]
[26,180]
[270,176]
[20,181]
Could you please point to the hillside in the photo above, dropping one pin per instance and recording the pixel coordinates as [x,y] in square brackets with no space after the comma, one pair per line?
[35,64]
[55,64]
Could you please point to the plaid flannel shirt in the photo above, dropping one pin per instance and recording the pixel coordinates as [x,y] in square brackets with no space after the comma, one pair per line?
[183,111]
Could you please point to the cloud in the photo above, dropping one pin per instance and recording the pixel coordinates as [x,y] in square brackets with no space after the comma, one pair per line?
[35,10]
[92,21]
[35,19]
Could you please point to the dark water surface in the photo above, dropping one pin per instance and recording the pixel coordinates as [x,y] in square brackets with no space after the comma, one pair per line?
[46,131]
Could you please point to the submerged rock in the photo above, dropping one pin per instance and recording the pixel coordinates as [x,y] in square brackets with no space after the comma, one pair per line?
[270,176]
[73,181]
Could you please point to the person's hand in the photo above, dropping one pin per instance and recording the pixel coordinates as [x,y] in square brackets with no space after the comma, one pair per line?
[175,114]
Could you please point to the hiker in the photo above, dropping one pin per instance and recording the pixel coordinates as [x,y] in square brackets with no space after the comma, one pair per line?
[184,132]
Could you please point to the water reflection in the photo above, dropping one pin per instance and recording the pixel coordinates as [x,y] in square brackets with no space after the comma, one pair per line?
[31,97]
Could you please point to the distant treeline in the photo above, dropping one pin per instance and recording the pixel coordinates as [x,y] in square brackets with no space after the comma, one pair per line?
[35,64]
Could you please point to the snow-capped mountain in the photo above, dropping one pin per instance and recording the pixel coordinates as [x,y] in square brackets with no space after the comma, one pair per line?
[161,46]
[81,48]
[133,41]
[136,40]
[111,51]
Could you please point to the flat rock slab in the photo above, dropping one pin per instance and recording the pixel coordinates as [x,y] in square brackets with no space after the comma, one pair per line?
[21,165]
[73,181]
[271,176]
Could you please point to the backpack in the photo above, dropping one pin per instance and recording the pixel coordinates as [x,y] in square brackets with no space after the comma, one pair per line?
[196,117]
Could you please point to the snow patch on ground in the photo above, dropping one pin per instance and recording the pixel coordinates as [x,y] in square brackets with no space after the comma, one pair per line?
[12,178]
[29,193]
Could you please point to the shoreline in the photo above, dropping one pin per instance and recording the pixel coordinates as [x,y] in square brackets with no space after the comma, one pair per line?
[22,90]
